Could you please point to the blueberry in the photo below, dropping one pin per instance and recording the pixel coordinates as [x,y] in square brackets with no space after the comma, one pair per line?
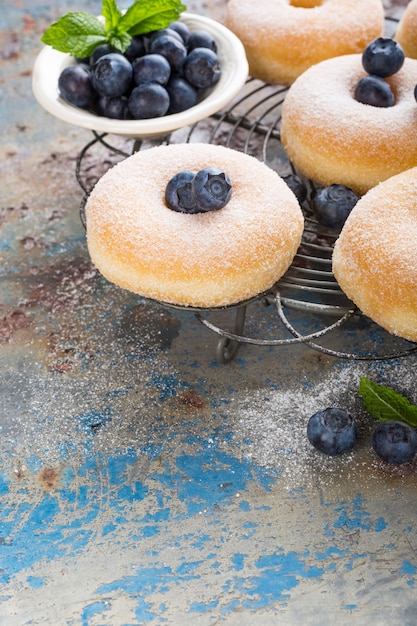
[415,93]
[395,442]
[297,186]
[332,431]
[383,57]
[112,75]
[75,85]
[151,68]
[212,189]
[202,68]
[375,91]
[201,39]
[165,31]
[178,193]
[136,48]
[332,205]
[182,29]
[170,47]
[116,108]
[100,51]
[148,100]
[182,95]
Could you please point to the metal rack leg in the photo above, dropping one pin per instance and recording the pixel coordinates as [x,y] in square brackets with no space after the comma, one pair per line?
[227,348]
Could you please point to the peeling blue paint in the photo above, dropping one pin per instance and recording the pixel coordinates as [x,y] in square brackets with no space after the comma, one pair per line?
[64,523]
[93,609]
[409,568]
[279,574]
[354,516]
[36,582]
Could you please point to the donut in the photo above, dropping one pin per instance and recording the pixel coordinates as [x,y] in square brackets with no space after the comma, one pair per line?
[212,259]
[406,34]
[283,38]
[332,138]
[374,259]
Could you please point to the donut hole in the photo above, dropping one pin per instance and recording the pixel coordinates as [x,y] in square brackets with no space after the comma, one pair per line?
[306,4]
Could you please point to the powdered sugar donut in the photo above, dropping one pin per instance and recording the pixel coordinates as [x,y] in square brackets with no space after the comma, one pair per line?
[211,259]
[374,258]
[406,34]
[332,138]
[283,38]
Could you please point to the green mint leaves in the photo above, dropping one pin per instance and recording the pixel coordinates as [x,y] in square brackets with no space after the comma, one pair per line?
[386,404]
[78,33]
[75,33]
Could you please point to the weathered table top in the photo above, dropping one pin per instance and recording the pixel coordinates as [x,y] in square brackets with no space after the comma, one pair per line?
[142,482]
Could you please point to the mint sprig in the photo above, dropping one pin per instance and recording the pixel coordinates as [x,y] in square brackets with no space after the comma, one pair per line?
[386,404]
[78,33]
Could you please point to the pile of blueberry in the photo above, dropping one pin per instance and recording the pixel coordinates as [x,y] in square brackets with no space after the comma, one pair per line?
[333,431]
[161,73]
[208,189]
[382,58]
[330,205]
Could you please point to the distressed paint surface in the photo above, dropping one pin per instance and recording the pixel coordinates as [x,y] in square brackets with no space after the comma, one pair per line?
[140,481]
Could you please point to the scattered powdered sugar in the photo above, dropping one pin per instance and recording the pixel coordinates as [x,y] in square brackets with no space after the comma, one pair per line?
[271,430]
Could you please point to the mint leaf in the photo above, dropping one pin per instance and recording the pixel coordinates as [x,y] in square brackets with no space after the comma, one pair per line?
[120,41]
[386,404]
[111,14]
[79,33]
[144,17]
[75,33]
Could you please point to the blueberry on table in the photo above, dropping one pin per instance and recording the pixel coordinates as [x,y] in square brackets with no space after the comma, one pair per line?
[212,189]
[148,100]
[297,186]
[383,57]
[202,68]
[415,93]
[112,75]
[332,431]
[75,85]
[332,205]
[375,91]
[151,68]
[179,194]
[395,442]
[182,95]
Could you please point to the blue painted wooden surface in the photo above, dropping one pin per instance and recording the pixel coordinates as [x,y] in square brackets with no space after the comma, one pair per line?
[140,481]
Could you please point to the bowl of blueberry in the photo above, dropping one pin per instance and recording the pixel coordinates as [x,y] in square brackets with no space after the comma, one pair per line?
[138,73]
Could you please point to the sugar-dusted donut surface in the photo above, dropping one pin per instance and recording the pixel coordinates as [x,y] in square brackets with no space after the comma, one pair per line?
[406,34]
[374,258]
[282,38]
[332,138]
[209,259]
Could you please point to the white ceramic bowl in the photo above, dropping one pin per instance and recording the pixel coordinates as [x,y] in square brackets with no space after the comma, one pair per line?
[50,63]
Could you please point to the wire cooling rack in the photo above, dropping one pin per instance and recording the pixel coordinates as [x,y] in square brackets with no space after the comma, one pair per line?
[251,124]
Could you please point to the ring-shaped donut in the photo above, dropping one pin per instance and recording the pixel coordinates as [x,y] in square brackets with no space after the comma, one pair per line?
[332,138]
[211,259]
[374,258]
[406,34]
[282,38]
